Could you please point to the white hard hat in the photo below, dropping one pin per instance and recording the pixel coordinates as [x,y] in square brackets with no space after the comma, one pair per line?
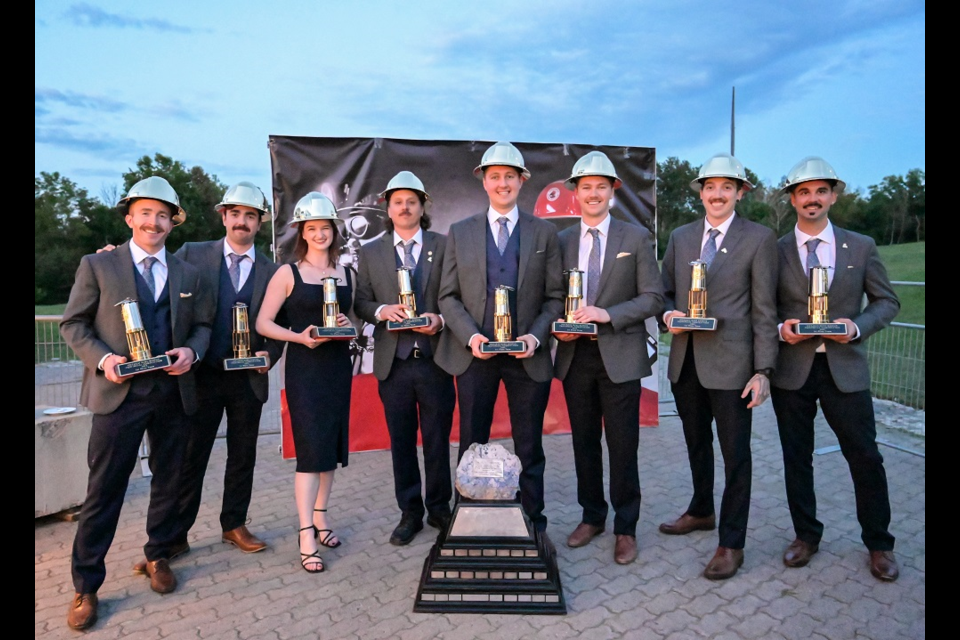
[156,188]
[502,154]
[314,206]
[812,168]
[595,163]
[405,180]
[722,165]
[245,194]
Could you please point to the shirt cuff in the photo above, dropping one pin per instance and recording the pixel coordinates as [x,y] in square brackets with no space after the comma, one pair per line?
[377,313]
[100,364]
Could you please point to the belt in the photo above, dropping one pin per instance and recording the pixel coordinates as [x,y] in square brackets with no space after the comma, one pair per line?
[416,353]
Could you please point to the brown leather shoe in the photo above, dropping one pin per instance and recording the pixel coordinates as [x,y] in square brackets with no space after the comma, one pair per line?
[583,534]
[176,551]
[83,611]
[724,564]
[625,550]
[798,554]
[162,579]
[687,523]
[242,539]
[883,566]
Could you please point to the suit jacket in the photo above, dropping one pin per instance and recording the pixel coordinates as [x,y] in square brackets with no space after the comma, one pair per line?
[463,291]
[93,326]
[377,285]
[741,295]
[208,258]
[630,290]
[858,272]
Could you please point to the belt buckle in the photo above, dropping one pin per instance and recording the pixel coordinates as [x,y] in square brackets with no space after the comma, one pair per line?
[416,354]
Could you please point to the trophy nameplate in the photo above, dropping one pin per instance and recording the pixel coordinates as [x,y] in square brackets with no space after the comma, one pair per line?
[243,357]
[818,308]
[502,326]
[696,318]
[141,359]
[573,303]
[409,298]
[331,309]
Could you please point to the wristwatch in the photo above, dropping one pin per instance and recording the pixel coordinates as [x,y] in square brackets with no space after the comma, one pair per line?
[765,372]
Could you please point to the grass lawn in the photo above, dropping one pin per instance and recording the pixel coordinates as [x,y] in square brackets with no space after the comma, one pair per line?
[49,309]
[907,262]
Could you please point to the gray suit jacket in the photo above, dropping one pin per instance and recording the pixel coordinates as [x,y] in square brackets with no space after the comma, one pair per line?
[463,291]
[858,272]
[208,258]
[377,285]
[741,295]
[93,326]
[630,291]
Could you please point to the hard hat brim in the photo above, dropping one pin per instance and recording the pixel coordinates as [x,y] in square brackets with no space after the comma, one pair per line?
[478,172]
[697,184]
[571,182]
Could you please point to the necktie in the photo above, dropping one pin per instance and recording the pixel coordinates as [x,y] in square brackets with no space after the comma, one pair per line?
[148,263]
[503,237]
[593,268]
[234,270]
[709,251]
[408,260]
[812,259]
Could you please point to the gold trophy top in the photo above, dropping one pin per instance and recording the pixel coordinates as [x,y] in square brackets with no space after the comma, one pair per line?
[502,325]
[130,310]
[698,275]
[331,307]
[817,302]
[241,331]
[137,341]
[574,292]
[407,296]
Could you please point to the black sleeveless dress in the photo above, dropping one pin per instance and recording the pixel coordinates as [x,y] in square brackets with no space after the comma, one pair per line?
[318,381]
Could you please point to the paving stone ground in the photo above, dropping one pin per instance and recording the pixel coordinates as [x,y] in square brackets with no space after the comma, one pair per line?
[369,586]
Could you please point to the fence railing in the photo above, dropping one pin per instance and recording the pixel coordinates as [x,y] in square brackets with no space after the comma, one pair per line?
[58,374]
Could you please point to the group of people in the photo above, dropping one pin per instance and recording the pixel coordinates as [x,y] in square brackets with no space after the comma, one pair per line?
[757,293]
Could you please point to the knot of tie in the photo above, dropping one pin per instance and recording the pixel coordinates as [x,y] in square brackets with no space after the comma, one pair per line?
[813,260]
[408,260]
[710,247]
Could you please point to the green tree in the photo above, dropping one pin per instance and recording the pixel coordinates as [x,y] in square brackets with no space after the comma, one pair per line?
[677,203]
[896,208]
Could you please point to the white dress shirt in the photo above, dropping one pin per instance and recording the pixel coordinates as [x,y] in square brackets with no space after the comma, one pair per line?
[246,266]
[159,268]
[493,216]
[586,246]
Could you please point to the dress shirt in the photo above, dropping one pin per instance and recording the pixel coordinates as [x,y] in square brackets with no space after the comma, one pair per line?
[159,268]
[493,216]
[245,265]
[586,246]
[723,227]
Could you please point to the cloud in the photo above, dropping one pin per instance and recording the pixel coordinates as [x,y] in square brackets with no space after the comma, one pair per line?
[102,146]
[88,15]
[43,95]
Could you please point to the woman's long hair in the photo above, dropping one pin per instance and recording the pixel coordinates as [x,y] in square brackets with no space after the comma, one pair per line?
[333,253]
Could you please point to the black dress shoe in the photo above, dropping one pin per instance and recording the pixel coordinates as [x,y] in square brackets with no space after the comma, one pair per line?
[406,530]
[439,521]
[883,566]
[83,611]
[798,554]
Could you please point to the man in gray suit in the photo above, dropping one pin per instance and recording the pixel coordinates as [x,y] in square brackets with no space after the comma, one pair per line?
[831,369]
[601,374]
[721,374]
[232,271]
[502,246]
[417,394]
[177,320]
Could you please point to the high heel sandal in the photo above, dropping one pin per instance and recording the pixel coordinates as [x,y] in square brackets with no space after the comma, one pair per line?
[309,559]
[328,533]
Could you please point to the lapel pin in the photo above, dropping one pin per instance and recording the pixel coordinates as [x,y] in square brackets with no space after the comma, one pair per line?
[845,246]
[429,256]
[723,250]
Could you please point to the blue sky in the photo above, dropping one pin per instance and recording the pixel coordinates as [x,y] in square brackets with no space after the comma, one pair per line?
[208,82]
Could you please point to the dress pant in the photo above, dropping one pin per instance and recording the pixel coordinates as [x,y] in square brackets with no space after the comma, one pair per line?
[850,415]
[112,454]
[698,407]
[597,405]
[477,390]
[419,395]
[219,391]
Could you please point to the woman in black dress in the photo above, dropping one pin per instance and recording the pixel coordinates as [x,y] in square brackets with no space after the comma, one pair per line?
[318,372]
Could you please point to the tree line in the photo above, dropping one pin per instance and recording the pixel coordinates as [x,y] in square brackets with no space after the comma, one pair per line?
[70,223]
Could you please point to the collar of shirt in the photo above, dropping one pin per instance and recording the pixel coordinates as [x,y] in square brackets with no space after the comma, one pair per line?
[723,227]
[493,215]
[250,253]
[139,254]
[826,236]
[603,228]
[418,244]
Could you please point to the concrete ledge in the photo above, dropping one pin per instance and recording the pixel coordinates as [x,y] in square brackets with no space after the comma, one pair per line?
[60,460]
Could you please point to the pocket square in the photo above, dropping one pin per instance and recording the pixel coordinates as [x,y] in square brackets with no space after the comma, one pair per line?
[186,295]
[623,254]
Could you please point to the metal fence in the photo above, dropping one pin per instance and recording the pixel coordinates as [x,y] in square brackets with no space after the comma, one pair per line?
[58,373]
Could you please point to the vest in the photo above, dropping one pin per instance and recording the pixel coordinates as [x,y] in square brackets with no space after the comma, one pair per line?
[407,339]
[503,269]
[221,339]
[156,321]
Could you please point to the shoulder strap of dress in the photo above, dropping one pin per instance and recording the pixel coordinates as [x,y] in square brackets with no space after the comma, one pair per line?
[347,270]
[296,273]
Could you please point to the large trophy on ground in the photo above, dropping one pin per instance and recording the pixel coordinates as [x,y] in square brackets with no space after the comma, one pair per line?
[141,359]
[573,302]
[490,559]
[696,317]
[503,341]
[243,357]
[818,308]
